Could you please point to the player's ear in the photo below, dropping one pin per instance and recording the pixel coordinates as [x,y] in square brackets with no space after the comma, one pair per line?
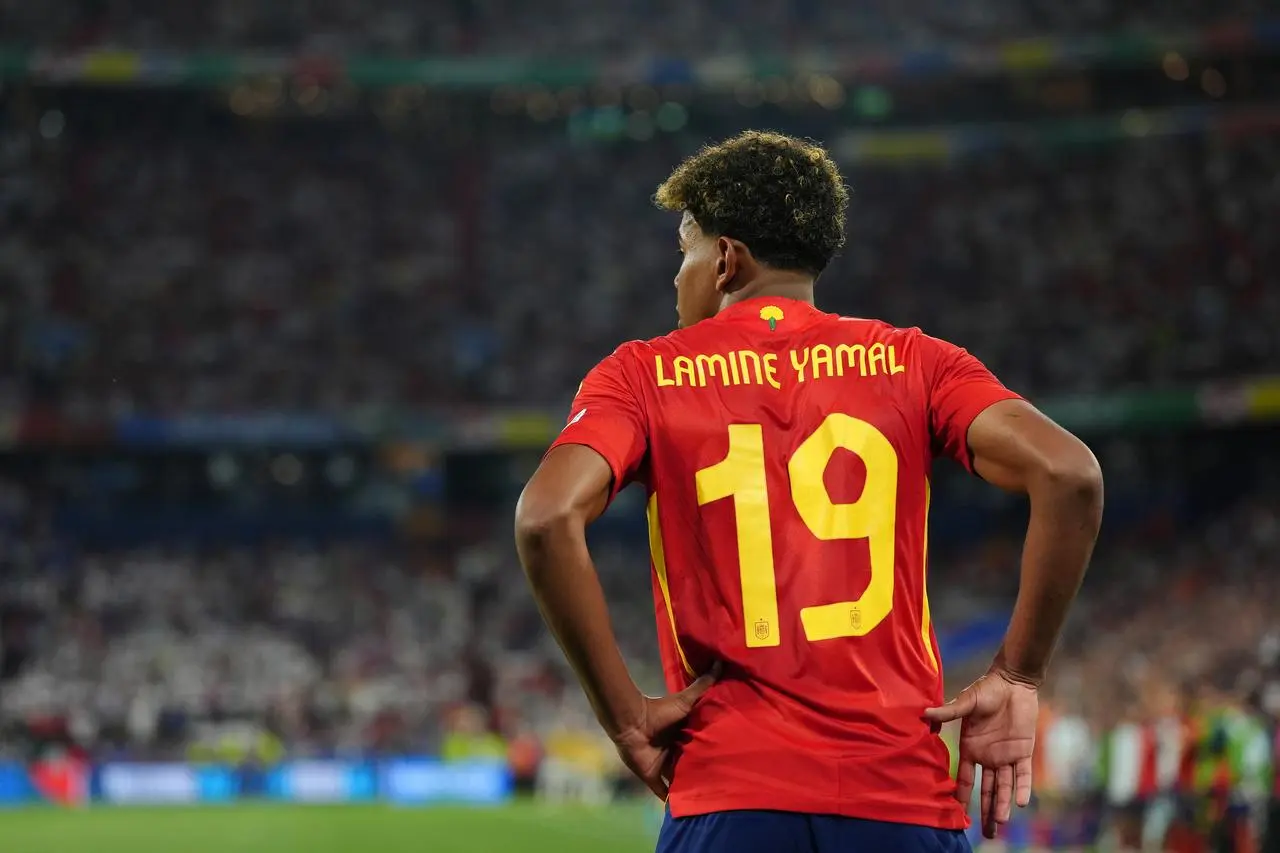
[727,263]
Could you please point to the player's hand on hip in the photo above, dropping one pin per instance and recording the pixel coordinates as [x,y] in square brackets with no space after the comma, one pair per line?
[646,747]
[997,733]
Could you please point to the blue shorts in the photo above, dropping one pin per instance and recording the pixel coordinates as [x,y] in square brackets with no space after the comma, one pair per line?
[787,832]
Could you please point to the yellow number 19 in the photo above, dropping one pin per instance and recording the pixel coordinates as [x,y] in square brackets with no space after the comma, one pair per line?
[741,476]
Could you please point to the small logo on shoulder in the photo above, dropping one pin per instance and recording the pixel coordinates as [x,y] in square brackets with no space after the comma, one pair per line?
[771,314]
[573,420]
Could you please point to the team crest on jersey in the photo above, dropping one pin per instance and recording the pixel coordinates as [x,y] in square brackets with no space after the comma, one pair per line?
[855,619]
[771,314]
[762,629]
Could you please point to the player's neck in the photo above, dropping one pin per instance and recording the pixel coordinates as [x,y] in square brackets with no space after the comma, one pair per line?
[776,285]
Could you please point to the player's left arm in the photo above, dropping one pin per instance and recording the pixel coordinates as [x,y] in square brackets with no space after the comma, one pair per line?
[1016,447]
[1006,441]
[1009,443]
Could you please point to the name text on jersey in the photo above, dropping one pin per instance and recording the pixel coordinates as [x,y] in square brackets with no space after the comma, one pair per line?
[748,367]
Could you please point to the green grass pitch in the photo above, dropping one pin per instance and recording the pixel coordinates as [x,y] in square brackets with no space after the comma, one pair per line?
[522,827]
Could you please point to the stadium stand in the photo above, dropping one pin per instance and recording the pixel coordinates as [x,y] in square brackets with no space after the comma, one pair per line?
[322,270]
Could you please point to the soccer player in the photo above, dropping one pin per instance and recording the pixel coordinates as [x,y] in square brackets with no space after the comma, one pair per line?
[786,456]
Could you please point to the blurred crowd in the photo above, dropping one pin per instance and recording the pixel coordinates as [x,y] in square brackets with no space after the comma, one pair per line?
[347,650]
[357,649]
[163,267]
[549,29]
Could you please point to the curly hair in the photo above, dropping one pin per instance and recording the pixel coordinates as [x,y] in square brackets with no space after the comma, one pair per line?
[781,196]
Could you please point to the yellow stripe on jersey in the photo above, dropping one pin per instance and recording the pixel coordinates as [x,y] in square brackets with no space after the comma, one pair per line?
[926,622]
[660,569]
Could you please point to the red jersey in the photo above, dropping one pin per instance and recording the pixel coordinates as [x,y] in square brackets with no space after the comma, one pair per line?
[786,454]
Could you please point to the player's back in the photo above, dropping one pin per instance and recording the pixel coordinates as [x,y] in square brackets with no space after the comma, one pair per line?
[787,467]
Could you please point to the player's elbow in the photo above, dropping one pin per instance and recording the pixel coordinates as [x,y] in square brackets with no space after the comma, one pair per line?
[545,531]
[538,520]
[1073,474]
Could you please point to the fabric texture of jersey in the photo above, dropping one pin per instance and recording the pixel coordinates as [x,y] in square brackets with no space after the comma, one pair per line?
[786,456]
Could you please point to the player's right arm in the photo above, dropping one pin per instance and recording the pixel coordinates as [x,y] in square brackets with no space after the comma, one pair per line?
[598,452]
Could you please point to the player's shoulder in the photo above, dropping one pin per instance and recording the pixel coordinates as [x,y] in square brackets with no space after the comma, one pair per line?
[628,352]
[674,341]
[882,329]
[869,324]
[873,328]
[620,365]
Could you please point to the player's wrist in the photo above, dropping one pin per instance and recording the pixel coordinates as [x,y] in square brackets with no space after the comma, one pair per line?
[1018,679]
[625,715]
[1022,676]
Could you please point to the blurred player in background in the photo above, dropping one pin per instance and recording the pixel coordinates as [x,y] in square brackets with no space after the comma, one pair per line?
[1065,770]
[1270,701]
[786,455]
[577,767]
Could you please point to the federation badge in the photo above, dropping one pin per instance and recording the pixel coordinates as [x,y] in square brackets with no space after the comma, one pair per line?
[762,629]
[772,314]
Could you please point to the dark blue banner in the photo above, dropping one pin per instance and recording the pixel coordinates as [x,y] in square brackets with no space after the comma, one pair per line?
[417,781]
[15,785]
[409,781]
[288,430]
[322,782]
[156,784]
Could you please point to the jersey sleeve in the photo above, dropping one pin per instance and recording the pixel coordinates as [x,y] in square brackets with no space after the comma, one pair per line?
[607,416]
[962,387]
